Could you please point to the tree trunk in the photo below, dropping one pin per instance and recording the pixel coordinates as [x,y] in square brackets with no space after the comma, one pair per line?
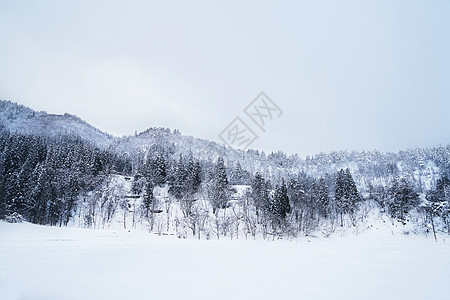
[432,225]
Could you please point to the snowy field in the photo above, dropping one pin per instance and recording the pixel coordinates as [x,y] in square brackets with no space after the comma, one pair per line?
[38,262]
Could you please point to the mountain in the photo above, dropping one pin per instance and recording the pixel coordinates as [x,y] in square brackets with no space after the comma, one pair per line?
[59,170]
[24,120]
[421,166]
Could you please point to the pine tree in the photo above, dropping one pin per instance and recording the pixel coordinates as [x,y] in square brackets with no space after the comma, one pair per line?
[339,193]
[323,197]
[178,184]
[351,190]
[193,176]
[260,193]
[155,168]
[346,193]
[218,186]
[137,184]
[313,196]
[439,202]
[239,176]
[148,197]
[70,191]
[159,169]
[197,178]
[280,203]
[403,199]
[14,197]
[443,189]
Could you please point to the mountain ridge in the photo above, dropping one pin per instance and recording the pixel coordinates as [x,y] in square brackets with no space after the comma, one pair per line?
[405,163]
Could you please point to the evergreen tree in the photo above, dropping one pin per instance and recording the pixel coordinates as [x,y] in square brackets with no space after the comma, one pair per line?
[42,178]
[351,190]
[37,205]
[280,203]
[439,202]
[70,191]
[137,184]
[346,194]
[148,198]
[13,197]
[218,186]
[159,169]
[178,184]
[443,189]
[193,176]
[323,197]
[313,196]
[403,199]
[239,176]
[260,193]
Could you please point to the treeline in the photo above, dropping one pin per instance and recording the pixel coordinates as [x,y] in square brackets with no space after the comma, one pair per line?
[42,178]
[49,181]
[400,197]
[367,166]
[304,202]
[270,206]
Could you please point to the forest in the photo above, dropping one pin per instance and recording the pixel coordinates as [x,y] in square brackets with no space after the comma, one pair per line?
[56,180]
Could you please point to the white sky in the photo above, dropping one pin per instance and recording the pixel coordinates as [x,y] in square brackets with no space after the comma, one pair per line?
[348,74]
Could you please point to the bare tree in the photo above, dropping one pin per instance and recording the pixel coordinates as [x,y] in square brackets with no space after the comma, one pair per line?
[249,216]
[202,216]
[124,207]
[186,204]
[159,225]
[168,211]
[215,225]
[230,224]
[239,216]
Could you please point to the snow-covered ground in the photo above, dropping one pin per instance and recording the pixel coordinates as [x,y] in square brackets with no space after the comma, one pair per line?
[40,262]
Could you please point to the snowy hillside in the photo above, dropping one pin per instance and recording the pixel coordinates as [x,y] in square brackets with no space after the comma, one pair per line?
[422,166]
[18,118]
[59,170]
[117,208]
[160,215]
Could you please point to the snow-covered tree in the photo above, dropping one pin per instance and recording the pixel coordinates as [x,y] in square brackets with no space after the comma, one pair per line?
[403,199]
[218,186]
[346,194]
[280,205]
[323,198]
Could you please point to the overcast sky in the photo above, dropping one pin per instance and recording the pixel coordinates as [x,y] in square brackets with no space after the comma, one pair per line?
[347,74]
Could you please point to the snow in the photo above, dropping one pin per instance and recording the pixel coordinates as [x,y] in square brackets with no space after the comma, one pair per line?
[41,262]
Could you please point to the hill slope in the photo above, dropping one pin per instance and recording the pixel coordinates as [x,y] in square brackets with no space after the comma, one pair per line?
[421,166]
[21,119]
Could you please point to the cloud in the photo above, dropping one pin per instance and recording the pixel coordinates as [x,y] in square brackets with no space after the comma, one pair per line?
[348,76]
